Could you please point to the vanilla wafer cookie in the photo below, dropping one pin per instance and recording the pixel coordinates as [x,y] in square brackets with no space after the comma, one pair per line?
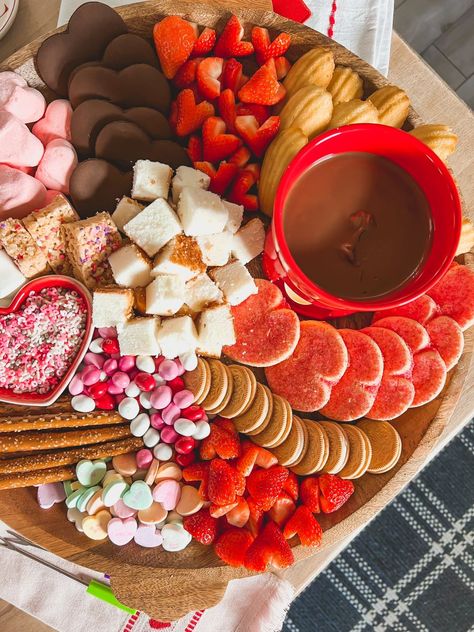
[219,384]
[360,453]
[266,419]
[276,426]
[294,462]
[385,442]
[26,479]
[243,392]
[338,447]
[287,429]
[228,394]
[317,450]
[198,380]
[33,421]
[254,416]
[290,450]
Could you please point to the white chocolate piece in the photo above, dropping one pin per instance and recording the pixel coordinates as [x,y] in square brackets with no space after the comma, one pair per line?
[165,295]
[177,336]
[248,241]
[201,212]
[126,210]
[235,282]
[215,248]
[139,336]
[188,177]
[153,227]
[130,266]
[200,292]
[10,277]
[236,213]
[151,180]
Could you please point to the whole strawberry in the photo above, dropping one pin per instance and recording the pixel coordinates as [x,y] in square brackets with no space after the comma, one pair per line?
[334,492]
[202,526]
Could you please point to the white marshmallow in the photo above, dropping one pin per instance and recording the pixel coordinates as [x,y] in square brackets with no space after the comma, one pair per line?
[151,180]
[153,227]
[236,213]
[215,248]
[181,256]
[201,212]
[200,292]
[130,266]
[188,177]
[165,295]
[10,277]
[126,210]
[177,336]
[248,241]
[112,307]
[138,336]
[235,282]
[215,328]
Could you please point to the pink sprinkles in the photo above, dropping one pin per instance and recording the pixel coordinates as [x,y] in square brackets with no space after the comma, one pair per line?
[39,342]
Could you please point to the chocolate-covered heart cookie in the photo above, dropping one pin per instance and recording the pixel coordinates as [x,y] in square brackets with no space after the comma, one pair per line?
[129,49]
[123,143]
[136,85]
[91,116]
[91,27]
[96,185]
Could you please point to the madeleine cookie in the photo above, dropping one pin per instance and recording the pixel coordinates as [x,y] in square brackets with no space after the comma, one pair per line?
[392,104]
[230,387]
[309,109]
[290,450]
[219,385]
[268,416]
[439,138]
[314,68]
[385,442]
[243,392]
[338,447]
[316,452]
[277,425]
[360,453]
[255,415]
[198,381]
[355,111]
[345,85]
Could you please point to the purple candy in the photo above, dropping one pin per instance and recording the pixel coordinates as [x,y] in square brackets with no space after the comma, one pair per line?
[161,397]
[94,359]
[110,366]
[156,421]
[168,370]
[170,414]
[169,435]
[183,399]
[121,379]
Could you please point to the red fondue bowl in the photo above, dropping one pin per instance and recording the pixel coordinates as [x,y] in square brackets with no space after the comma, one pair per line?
[426,169]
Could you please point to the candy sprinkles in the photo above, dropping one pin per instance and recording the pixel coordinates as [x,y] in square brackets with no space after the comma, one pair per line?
[39,341]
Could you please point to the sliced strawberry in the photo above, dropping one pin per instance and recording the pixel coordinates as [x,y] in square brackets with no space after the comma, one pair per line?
[196,471]
[233,545]
[189,116]
[202,526]
[269,547]
[255,137]
[217,145]
[309,493]
[217,511]
[194,149]
[246,461]
[261,41]
[230,42]
[227,424]
[240,482]
[220,442]
[221,485]
[240,514]
[283,507]
[186,75]
[226,107]
[265,485]
[295,10]
[254,168]
[265,458]
[240,157]
[263,86]
[334,492]
[174,40]
[239,193]
[291,486]
[305,525]
[261,112]
[232,77]
[203,487]
[282,67]
[256,517]
[208,74]
[204,43]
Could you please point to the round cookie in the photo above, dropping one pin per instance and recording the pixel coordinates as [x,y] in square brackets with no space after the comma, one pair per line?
[256,414]
[287,429]
[266,421]
[219,384]
[198,380]
[291,449]
[338,447]
[230,387]
[317,450]
[243,391]
[277,424]
[385,442]
[298,459]
[360,453]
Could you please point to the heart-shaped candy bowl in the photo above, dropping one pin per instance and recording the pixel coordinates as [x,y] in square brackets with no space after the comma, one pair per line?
[44,334]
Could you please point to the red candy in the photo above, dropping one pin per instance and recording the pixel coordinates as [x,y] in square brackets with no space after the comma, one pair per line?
[144,381]
[185,459]
[97,390]
[110,346]
[176,385]
[158,361]
[106,402]
[185,445]
[193,413]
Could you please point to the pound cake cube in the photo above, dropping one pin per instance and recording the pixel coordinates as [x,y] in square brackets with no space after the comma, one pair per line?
[139,336]
[10,276]
[89,244]
[236,213]
[165,295]
[201,292]
[177,336]
[201,212]
[112,306]
[19,245]
[126,210]
[235,282]
[215,327]
[248,241]
[215,248]
[153,227]
[188,177]
[130,266]
[181,256]
[151,180]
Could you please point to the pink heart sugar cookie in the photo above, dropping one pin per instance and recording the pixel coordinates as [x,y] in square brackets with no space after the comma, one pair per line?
[167,493]
[56,166]
[18,146]
[49,494]
[148,536]
[56,122]
[20,193]
[122,532]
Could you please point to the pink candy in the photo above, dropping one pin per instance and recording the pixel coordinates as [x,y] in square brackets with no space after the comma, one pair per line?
[169,435]
[113,388]
[56,122]
[144,458]
[120,510]
[168,370]
[156,421]
[170,414]
[95,359]
[76,385]
[107,332]
[120,379]
[183,399]
[90,375]
[161,397]
[110,366]
[57,164]
[126,363]
[18,146]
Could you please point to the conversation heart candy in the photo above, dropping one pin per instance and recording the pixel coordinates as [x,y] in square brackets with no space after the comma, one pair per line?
[85,497]
[190,501]
[120,531]
[90,473]
[71,500]
[95,527]
[95,503]
[114,492]
[168,493]
[138,496]
[155,514]
[148,536]
[49,494]
[120,510]
[169,470]
[20,193]
[57,165]
[125,464]
[18,146]
[56,122]
[175,537]
[75,516]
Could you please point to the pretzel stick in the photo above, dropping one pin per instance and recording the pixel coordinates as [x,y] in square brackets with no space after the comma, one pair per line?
[44,461]
[62,405]
[25,441]
[25,479]
[59,420]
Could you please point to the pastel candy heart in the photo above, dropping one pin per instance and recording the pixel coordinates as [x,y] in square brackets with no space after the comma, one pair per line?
[138,496]
[49,494]
[190,501]
[120,510]
[148,536]
[174,516]
[90,473]
[27,104]
[125,464]
[175,537]
[155,514]
[56,122]
[95,527]
[169,470]
[57,165]
[95,503]
[113,492]
[75,516]
[71,500]
[18,146]
[167,493]
[83,500]
[120,531]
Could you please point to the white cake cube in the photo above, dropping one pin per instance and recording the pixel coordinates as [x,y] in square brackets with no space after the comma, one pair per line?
[188,177]
[215,248]
[153,227]
[181,256]
[177,336]
[10,277]
[248,241]
[236,213]
[201,292]
[126,210]
[201,212]
[165,295]
[139,336]
[151,180]
[130,266]
[235,282]
[215,328]
[111,306]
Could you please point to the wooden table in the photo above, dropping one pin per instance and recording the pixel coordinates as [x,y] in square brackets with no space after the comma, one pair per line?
[432,99]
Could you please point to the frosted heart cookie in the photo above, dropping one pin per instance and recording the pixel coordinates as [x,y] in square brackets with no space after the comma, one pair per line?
[290,450]
[256,414]
[230,388]
[359,453]
[268,416]
[338,446]
[219,385]
[385,442]
[243,392]
[198,381]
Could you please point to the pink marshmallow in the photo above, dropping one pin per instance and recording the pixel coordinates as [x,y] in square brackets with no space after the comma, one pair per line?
[57,165]
[18,146]
[56,122]
[8,81]
[51,195]
[19,193]
[27,104]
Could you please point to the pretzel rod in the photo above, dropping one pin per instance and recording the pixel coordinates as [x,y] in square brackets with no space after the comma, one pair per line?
[25,441]
[59,420]
[62,405]
[25,479]
[44,461]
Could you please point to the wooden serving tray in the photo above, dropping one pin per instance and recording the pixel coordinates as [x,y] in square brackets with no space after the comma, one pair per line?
[168,585]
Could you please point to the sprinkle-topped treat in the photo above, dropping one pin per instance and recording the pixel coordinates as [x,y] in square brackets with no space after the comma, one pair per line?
[39,342]
[22,249]
[89,244]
